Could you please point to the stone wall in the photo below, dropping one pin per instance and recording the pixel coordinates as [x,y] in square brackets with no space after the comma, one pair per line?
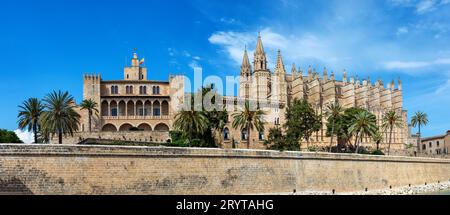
[75,169]
[139,136]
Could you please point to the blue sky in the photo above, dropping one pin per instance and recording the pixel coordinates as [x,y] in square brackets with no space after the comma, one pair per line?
[49,45]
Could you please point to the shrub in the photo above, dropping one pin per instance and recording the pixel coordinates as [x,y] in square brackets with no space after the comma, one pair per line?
[378,152]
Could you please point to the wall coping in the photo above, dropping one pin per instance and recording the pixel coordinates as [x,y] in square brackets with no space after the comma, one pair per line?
[162,151]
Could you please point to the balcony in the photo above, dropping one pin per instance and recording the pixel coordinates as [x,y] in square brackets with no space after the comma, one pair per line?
[165,117]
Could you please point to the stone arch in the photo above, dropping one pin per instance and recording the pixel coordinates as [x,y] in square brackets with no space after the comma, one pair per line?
[121,110]
[139,108]
[104,108]
[109,127]
[161,127]
[147,108]
[125,127]
[113,106]
[130,108]
[165,108]
[226,133]
[145,127]
[156,109]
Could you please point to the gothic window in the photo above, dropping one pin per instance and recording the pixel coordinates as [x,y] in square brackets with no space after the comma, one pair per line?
[430,144]
[226,134]
[113,111]
[424,146]
[261,135]
[155,90]
[128,76]
[142,90]
[156,111]
[437,144]
[114,90]
[244,134]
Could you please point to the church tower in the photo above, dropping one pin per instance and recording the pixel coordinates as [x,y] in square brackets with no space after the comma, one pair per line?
[135,71]
[261,75]
[245,77]
[279,84]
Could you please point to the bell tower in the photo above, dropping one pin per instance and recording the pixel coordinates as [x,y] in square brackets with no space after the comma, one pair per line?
[261,75]
[136,71]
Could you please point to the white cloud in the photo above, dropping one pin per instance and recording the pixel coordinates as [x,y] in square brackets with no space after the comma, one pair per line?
[294,48]
[425,6]
[194,64]
[402,30]
[415,64]
[444,88]
[25,136]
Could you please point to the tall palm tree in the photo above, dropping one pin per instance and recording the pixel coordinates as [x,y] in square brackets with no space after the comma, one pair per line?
[334,111]
[377,138]
[249,119]
[60,116]
[364,124]
[29,114]
[391,120]
[91,106]
[419,119]
[190,122]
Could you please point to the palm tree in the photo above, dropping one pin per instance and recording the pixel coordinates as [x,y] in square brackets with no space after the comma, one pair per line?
[363,125]
[249,119]
[334,111]
[391,120]
[419,119]
[60,116]
[191,121]
[91,106]
[29,114]
[377,138]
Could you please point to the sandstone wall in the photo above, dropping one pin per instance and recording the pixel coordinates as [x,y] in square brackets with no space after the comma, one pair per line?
[75,169]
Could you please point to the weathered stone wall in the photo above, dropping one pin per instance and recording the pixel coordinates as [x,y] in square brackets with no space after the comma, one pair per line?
[139,136]
[75,169]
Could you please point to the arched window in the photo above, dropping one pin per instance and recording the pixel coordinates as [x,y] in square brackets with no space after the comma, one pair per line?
[244,135]
[144,88]
[114,89]
[131,89]
[261,135]
[437,143]
[226,134]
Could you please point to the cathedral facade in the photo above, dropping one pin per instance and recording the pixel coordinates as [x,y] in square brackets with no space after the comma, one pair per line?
[279,88]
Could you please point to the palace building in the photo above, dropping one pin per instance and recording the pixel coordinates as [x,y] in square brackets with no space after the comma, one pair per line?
[139,109]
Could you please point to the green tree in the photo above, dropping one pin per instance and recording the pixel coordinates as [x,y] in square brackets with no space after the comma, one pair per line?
[60,116]
[419,119]
[249,119]
[191,122]
[364,124]
[9,137]
[377,138]
[217,115]
[333,112]
[390,121]
[91,106]
[29,113]
[301,121]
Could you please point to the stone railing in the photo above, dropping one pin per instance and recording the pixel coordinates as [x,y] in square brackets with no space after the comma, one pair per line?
[164,117]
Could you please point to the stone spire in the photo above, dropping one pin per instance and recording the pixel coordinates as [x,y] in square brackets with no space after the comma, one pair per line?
[293,72]
[300,73]
[332,76]
[259,45]
[279,69]
[344,76]
[399,82]
[325,74]
[245,67]
[259,59]
[309,73]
